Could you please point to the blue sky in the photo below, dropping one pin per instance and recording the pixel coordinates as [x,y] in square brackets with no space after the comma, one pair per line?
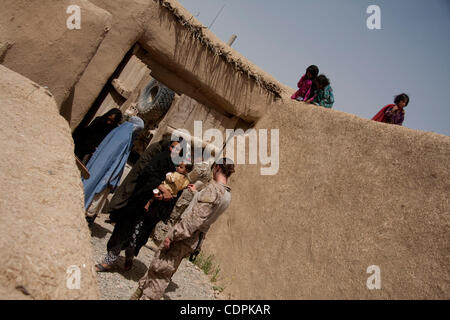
[367,68]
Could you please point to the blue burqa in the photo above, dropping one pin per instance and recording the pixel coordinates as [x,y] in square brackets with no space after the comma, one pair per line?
[108,161]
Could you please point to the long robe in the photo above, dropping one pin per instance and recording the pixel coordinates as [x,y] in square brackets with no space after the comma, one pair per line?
[133,212]
[87,139]
[127,187]
[107,164]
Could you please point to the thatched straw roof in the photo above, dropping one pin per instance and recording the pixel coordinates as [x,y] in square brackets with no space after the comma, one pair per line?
[219,48]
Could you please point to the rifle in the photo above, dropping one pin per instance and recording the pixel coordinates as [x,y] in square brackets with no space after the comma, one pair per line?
[197,250]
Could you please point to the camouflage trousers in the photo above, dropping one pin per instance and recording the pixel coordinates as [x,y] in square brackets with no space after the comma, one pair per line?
[162,268]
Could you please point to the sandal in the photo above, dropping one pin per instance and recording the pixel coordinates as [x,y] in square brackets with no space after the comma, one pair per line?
[100,268]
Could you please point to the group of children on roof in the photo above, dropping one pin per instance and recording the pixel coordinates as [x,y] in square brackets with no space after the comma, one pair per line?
[316,89]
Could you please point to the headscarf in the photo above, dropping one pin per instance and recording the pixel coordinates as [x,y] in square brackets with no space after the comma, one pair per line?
[107,164]
[87,139]
[138,122]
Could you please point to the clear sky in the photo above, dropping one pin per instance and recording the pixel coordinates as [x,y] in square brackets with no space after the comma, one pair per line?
[367,68]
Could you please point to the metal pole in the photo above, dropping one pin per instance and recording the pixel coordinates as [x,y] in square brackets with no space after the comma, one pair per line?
[216,17]
[232,38]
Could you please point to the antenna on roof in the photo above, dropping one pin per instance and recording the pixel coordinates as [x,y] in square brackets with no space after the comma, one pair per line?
[216,17]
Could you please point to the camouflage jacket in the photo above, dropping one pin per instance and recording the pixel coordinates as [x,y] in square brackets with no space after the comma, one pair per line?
[200,176]
[204,209]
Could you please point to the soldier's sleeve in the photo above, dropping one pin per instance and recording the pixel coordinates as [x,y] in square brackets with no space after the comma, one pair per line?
[194,221]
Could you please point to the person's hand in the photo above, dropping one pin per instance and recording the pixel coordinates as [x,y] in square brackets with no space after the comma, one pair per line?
[166,195]
[158,196]
[167,242]
[147,206]
[192,187]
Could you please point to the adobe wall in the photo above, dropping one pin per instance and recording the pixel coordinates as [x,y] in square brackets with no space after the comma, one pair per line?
[43,48]
[349,193]
[42,225]
[190,67]
[76,64]
[128,23]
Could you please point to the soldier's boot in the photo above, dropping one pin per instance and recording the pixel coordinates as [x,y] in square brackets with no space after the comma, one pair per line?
[137,294]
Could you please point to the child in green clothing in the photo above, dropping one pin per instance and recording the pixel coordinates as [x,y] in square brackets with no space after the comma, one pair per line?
[324,93]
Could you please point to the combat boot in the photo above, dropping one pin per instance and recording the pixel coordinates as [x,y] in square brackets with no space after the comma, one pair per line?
[137,294]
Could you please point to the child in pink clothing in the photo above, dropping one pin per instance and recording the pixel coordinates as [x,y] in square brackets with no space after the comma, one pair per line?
[304,91]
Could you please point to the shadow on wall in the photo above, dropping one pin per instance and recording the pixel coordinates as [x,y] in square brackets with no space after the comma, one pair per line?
[66,107]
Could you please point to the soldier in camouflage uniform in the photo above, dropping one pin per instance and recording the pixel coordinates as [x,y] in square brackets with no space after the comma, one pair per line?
[182,239]
[200,176]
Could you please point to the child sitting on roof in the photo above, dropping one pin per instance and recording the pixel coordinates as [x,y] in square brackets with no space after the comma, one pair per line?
[324,96]
[393,113]
[304,85]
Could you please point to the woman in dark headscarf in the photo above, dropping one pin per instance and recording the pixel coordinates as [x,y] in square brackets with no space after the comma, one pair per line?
[125,190]
[87,139]
[135,224]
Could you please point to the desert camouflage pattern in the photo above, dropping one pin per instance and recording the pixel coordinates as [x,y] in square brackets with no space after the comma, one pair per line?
[199,176]
[204,209]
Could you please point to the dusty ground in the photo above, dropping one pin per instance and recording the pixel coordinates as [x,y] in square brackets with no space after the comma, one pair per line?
[188,283]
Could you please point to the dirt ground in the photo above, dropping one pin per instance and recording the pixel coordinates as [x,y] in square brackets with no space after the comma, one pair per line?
[188,283]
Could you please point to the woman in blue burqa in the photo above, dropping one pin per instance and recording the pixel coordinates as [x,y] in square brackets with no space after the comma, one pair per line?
[134,224]
[107,164]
